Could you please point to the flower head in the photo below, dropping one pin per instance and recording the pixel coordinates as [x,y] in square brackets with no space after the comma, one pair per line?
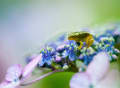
[70,51]
[95,71]
[12,78]
[47,56]
[16,74]
[62,51]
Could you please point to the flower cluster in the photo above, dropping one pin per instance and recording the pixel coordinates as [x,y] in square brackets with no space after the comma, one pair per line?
[63,53]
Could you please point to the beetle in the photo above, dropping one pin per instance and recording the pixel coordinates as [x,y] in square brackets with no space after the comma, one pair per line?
[81,37]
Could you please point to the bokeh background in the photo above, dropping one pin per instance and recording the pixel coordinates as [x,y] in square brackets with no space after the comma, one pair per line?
[25,25]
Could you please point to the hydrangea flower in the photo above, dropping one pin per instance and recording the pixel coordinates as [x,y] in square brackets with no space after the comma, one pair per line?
[64,54]
[64,51]
[70,51]
[106,43]
[12,78]
[47,56]
[94,73]
[16,74]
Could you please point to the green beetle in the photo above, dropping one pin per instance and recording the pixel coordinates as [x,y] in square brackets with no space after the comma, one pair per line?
[81,37]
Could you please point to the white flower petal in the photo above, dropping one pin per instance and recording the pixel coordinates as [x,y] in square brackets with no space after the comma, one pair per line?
[99,66]
[80,80]
[30,66]
[13,72]
[10,84]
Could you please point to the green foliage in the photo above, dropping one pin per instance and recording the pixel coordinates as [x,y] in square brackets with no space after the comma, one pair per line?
[57,80]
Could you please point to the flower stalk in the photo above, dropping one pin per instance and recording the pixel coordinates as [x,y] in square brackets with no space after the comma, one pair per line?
[39,78]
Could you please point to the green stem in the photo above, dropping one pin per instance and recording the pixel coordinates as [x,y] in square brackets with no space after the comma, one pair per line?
[41,77]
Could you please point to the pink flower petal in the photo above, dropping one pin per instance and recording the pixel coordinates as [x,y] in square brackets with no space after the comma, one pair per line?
[3,84]
[9,84]
[99,66]
[58,58]
[30,66]
[13,72]
[80,80]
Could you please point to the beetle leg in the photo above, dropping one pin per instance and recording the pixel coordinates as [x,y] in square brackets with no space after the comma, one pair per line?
[80,46]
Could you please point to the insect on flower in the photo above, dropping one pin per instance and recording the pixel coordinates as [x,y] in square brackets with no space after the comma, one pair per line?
[81,37]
